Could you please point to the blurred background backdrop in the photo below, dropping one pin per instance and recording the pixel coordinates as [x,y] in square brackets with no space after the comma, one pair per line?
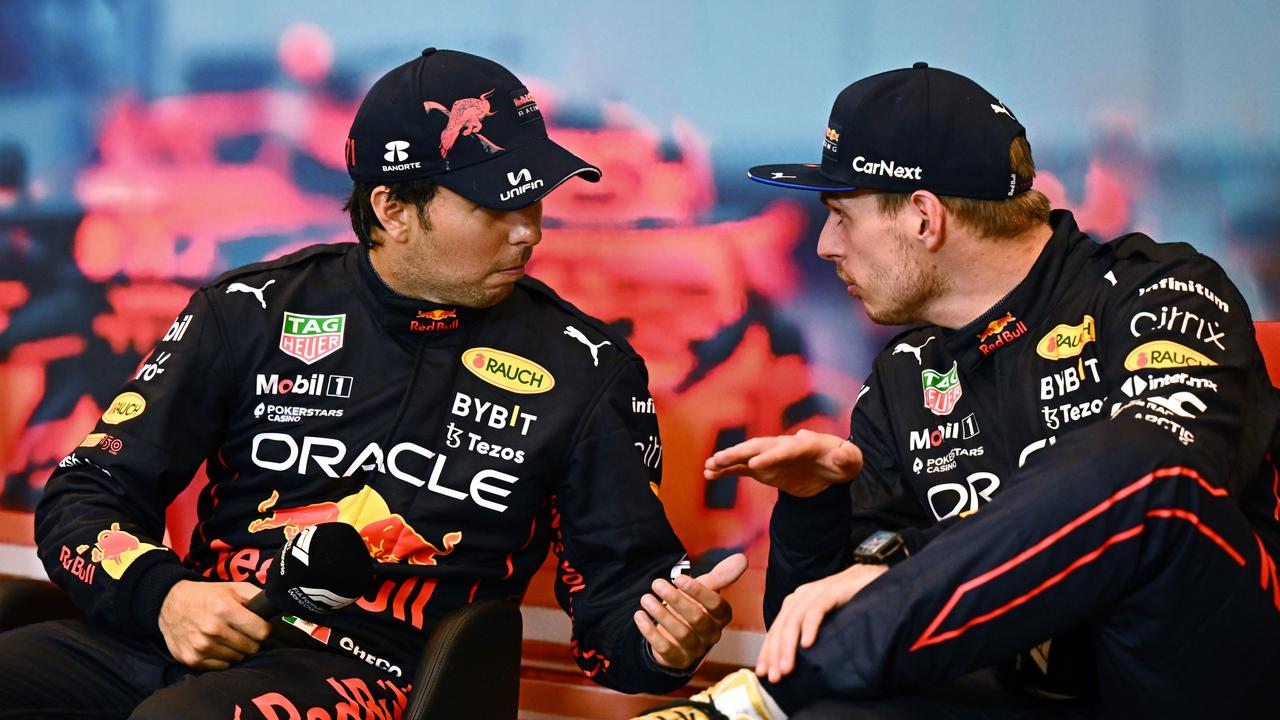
[147,146]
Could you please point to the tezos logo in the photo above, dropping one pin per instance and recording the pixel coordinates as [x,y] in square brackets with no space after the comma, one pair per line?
[396,151]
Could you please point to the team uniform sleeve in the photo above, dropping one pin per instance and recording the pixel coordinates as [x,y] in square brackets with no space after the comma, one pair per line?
[812,538]
[612,537]
[1179,352]
[100,523]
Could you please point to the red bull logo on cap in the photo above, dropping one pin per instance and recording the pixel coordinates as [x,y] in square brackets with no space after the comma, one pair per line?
[311,337]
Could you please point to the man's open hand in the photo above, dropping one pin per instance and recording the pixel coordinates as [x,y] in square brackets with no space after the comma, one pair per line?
[803,464]
[802,612]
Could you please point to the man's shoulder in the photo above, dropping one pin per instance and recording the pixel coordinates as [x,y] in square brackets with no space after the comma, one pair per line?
[560,314]
[1142,265]
[293,262]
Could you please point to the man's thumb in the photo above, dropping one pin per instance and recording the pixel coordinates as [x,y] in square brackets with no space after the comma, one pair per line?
[725,573]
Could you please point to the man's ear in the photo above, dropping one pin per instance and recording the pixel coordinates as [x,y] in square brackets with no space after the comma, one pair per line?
[928,219]
[395,215]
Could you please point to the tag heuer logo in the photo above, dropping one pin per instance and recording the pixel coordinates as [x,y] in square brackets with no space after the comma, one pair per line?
[941,390]
[311,337]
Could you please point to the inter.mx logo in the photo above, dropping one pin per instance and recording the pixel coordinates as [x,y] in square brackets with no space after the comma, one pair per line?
[396,151]
[315,384]
[311,337]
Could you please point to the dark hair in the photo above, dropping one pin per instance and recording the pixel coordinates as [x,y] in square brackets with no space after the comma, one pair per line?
[1004,218]
[363,218]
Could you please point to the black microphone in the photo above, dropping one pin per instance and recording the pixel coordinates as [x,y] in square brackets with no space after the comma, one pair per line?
[323,568]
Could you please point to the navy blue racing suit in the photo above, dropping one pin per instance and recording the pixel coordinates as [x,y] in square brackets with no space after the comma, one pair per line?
[461,443]
[1094,455]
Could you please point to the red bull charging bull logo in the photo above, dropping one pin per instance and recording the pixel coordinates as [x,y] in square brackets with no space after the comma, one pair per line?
[389,537]
[115,550]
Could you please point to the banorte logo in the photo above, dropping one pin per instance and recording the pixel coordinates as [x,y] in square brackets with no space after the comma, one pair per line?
[389,537]
[508,371]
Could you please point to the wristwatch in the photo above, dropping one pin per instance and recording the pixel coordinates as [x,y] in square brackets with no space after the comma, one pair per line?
[882,547]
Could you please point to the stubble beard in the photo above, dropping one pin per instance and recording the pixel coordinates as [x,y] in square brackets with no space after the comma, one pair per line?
[913,286]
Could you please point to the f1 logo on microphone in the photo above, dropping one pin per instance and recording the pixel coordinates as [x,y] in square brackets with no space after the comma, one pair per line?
[302,545]
[396,151]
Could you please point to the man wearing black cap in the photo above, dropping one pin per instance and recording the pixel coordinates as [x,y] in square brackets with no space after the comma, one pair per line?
[1069,468]
[415,386]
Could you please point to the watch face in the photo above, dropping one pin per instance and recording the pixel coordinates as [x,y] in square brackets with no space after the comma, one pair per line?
[876,542]
[879,547]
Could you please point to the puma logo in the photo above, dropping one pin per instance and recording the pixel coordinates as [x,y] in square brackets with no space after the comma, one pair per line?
[576,334]
[914,350]
[256,292]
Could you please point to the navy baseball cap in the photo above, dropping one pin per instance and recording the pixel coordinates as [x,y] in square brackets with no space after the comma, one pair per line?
[465,122]
[919,128]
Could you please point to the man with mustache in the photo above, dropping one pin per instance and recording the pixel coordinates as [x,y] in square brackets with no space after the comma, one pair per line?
[462,417]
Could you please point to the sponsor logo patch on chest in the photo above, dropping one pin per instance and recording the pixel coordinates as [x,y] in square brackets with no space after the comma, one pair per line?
[311,337]
[508,371]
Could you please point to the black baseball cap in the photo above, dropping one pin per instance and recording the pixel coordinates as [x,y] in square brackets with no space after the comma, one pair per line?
[919,128]
[465,122]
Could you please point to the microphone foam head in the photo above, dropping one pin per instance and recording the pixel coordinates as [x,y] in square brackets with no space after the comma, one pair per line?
[321,569]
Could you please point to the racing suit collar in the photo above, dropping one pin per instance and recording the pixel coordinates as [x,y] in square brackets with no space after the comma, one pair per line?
[398,313]
[1011,319]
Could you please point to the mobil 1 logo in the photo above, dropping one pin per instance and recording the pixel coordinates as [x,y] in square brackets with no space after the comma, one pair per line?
[314,384]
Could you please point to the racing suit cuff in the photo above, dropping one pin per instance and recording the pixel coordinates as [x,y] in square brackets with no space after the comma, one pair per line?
[654,666]
[796,518]
[145,585]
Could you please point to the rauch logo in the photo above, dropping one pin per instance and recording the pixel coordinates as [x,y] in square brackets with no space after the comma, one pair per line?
[507,371]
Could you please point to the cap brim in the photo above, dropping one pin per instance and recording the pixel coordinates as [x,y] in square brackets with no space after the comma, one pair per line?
[519,177]
[799,177]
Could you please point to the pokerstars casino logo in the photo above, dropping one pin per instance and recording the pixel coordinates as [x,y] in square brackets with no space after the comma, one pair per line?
[311,337]
[942,390]
[508,371]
